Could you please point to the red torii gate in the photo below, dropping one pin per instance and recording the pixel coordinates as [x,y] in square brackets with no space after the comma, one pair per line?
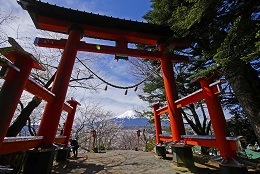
[52,18]
[78,24]
[16,80]
[16,73]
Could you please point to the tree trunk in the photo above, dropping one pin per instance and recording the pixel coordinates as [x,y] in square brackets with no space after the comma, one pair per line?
[21,120]
[245,82]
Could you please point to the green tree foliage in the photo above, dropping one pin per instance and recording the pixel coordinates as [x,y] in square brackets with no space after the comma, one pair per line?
[224,36]
[239,125]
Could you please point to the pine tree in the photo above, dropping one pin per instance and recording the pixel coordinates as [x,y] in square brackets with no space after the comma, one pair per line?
[224,36]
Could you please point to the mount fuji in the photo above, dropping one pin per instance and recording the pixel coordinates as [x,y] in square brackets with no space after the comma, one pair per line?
[130,118]
[129,115]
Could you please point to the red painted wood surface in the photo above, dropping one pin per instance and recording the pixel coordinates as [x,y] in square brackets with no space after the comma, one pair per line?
[51,116]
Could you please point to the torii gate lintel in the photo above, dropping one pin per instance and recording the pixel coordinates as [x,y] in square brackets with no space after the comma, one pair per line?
[105,49]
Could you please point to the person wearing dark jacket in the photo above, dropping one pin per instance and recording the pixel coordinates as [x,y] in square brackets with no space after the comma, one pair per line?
[74,145]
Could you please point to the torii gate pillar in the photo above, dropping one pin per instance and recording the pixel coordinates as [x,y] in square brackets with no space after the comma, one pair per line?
[51,115]
[69,121]
[13,86]
[40,161]
[182,155]
[176,122]
[63,154]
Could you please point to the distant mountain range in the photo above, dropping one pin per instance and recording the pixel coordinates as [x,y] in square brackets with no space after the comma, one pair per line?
[131,119]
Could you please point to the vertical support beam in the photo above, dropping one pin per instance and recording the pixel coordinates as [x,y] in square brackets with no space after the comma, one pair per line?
[51,116]
[157,123]
[94,135]
[122,45]
[176,121]
[138,139]
[69,121]
[11,92]
[217,119]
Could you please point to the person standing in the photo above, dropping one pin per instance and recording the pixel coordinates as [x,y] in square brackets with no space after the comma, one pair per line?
[74,145]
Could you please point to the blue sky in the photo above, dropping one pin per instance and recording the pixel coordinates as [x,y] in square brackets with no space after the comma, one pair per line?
[117,73]
[128,9]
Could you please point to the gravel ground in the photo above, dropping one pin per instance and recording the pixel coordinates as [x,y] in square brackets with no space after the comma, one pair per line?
[116,162]
[128,162]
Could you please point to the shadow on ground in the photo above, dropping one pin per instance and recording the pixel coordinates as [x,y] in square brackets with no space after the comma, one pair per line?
[79,164]
[125,162]
[205,165]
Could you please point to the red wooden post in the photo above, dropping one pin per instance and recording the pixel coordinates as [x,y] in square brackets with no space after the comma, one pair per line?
[51,116]
[12,90]
[217,119]
[69,121]
[94,134]
[138,139]
[176,121]
[157,123]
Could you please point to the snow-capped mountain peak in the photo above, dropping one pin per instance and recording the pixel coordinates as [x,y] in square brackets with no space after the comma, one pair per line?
[130,114]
